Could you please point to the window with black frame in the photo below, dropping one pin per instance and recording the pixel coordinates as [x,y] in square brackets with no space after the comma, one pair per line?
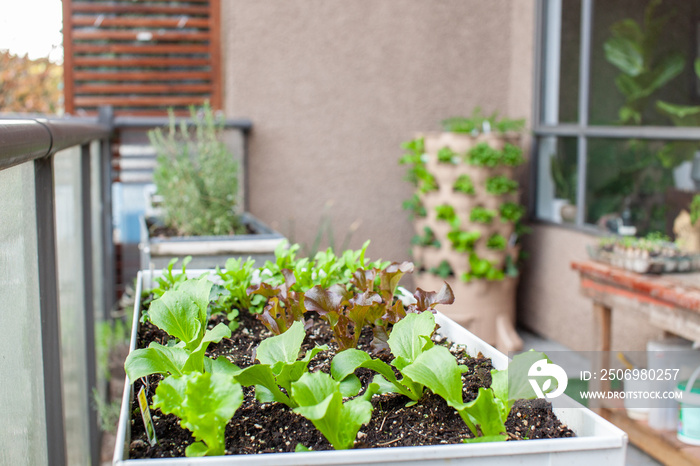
[618,113]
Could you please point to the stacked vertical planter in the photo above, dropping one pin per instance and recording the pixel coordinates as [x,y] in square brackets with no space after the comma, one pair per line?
[461,180]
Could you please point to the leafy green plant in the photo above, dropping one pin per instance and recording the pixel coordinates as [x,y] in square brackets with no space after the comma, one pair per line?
[482,269]
[479,123]
[415,206]
[497,242]
[483,155]
[204,403]
[168,279]
[447,213]
[237,277]
[347,312]
[486,415]
[278,366]
[182,313]
[464,184]
[463,241]
[511,212]
[320,400]
[426,239]
[447,155]
[482,215]
[501,185]
[443,270]
[409,339]
[197,176]
[417,174]
[512,155]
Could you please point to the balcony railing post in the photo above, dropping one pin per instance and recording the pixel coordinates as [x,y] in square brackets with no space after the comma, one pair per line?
[88,277]
[49,310]
[106,117]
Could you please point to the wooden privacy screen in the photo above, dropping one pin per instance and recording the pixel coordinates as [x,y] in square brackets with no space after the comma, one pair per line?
[141,57]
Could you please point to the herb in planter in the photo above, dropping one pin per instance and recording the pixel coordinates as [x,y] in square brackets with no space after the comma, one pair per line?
[196,176]
[483,155]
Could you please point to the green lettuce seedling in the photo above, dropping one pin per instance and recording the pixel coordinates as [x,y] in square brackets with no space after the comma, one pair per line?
[182,313]
[409,338]
[204,403]
[320,400]
[278,366]
[486,415]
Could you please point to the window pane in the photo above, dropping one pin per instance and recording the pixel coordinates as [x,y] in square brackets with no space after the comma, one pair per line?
[635,181]
[22,415]
[638,69]
[557,178]
[561,62]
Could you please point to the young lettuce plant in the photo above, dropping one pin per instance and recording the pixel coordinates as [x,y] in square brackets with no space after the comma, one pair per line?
[182,313]
[204,402]
[320,400]
[486,415]
[279,366]
[409,339]
[348,311]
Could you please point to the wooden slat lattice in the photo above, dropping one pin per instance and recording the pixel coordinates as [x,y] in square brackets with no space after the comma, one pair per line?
[141,57]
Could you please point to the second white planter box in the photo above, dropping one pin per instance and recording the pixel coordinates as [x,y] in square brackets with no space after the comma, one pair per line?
[597,442]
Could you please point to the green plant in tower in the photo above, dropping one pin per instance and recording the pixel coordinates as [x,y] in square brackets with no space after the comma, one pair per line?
[464,184]
[197,176]
[500,184]
[482,215]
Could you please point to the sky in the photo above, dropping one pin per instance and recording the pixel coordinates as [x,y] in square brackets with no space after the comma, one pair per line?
[32,27]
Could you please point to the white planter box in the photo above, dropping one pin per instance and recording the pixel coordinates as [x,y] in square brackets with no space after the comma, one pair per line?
[597,443]
[209,251]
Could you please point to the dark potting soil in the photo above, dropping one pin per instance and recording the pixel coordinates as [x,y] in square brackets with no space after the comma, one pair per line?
[267,428]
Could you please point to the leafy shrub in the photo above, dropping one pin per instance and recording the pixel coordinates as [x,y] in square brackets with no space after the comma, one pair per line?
[197,176]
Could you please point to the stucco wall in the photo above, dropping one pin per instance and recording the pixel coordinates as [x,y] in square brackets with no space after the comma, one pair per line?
[333,88]
[550,303]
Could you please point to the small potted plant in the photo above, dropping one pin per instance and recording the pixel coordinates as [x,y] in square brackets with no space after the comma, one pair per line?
[198,197]
[466,215]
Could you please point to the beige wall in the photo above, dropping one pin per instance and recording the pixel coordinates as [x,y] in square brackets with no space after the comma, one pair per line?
[549,300]
[333,88]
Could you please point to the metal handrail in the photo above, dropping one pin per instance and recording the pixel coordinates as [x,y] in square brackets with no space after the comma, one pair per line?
[31,139]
